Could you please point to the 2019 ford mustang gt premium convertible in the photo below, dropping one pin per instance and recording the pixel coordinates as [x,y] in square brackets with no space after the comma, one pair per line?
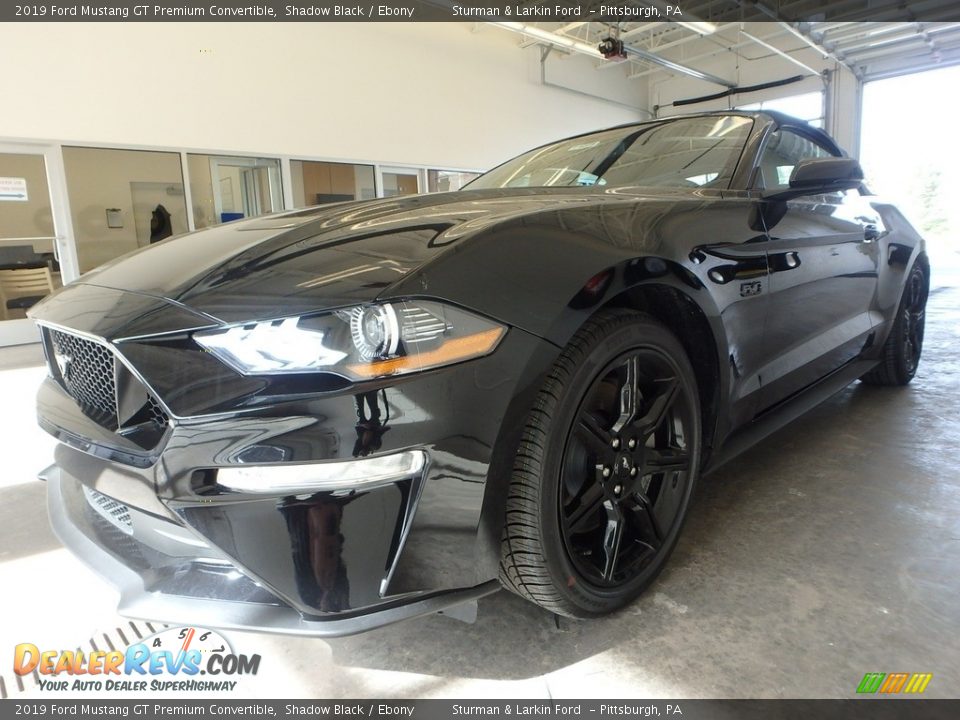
[326,420]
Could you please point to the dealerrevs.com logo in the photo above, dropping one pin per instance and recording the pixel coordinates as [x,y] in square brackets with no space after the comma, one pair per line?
[173,659]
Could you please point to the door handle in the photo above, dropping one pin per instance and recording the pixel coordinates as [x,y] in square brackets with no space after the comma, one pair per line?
[870,233]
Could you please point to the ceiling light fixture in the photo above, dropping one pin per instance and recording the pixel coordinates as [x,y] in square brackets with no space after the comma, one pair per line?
[552,38]
[699,26]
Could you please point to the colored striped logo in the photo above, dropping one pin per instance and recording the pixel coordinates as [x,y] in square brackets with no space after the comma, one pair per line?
[891,683]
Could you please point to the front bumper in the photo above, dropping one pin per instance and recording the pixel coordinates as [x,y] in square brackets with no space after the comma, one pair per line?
[195,588]
[317,562]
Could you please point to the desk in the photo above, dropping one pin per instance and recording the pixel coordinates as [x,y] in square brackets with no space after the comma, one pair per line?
[40,245]
[22,264]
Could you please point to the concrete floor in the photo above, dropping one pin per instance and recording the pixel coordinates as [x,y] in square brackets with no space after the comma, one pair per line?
[831,550]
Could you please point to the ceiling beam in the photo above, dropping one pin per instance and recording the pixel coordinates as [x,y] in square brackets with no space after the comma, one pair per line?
[690,37]
[830,37]
[892,48]
[646,27]
[785,55]
[846,46]
[718,51]
[677,67]
[795,30]
[570,26]
[541,36]
[912,31]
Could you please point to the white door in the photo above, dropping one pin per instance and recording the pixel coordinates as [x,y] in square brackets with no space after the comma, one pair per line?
[37,251]
[244,187]
[400,181]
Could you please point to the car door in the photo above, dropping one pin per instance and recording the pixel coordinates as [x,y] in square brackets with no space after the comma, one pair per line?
[733,270]
[823,263]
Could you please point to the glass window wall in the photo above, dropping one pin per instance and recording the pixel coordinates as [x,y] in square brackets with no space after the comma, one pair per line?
[318,183]
[225,188]
[121,200]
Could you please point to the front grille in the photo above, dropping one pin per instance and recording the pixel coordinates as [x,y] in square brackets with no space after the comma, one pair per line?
[158,416]
[88,371]
[113,511]
[85,369]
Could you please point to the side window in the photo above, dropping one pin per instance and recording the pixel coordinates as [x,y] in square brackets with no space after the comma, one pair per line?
[784,149]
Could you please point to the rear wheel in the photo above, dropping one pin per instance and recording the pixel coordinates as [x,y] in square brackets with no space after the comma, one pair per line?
[901,352]
[605,470]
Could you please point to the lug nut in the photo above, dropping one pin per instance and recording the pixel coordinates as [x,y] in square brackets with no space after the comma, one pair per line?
[617,489]
[633,471]
[606,472]
[631,443]
[615,443]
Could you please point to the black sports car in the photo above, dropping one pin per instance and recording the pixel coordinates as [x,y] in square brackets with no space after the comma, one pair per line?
[326,420]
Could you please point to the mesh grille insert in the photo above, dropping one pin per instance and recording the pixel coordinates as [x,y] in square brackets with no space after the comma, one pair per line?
[85,368]
[113,511]
[87,371]
[158,415]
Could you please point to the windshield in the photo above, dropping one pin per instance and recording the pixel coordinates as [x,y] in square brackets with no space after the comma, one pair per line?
[687,152]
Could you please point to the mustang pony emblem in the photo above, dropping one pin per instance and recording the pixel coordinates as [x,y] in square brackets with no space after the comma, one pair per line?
[63,363]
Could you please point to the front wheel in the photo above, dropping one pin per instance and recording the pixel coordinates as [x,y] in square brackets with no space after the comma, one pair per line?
[605,470]
[901,352]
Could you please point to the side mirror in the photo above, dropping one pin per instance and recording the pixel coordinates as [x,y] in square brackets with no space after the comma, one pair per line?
[821,175]
[829,174]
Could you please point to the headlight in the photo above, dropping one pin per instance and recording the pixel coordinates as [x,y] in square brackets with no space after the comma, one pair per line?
[359,343]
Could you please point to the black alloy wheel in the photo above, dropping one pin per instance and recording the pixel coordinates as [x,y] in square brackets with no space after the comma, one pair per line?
[904,345]
[625,469]
[914,319]
[606,469]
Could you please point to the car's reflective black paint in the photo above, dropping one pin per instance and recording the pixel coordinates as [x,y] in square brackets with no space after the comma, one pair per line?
[769,297]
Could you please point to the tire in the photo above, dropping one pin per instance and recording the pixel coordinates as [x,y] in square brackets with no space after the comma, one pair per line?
[901,351]
[591,517]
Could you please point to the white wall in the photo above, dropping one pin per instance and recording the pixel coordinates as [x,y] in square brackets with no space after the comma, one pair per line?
[457,95]
[440,94]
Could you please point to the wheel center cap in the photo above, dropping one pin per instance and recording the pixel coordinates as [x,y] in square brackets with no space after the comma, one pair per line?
[622,465]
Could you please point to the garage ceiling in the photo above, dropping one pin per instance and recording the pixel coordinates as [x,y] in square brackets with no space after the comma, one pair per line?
[878,50]
[898,39]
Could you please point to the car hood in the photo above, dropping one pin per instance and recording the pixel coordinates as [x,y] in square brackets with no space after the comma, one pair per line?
[324,257]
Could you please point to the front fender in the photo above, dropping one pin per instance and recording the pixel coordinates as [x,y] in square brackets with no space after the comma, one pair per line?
[901,248]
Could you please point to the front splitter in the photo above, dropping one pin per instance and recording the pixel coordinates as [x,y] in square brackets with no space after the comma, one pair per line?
[138,603]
